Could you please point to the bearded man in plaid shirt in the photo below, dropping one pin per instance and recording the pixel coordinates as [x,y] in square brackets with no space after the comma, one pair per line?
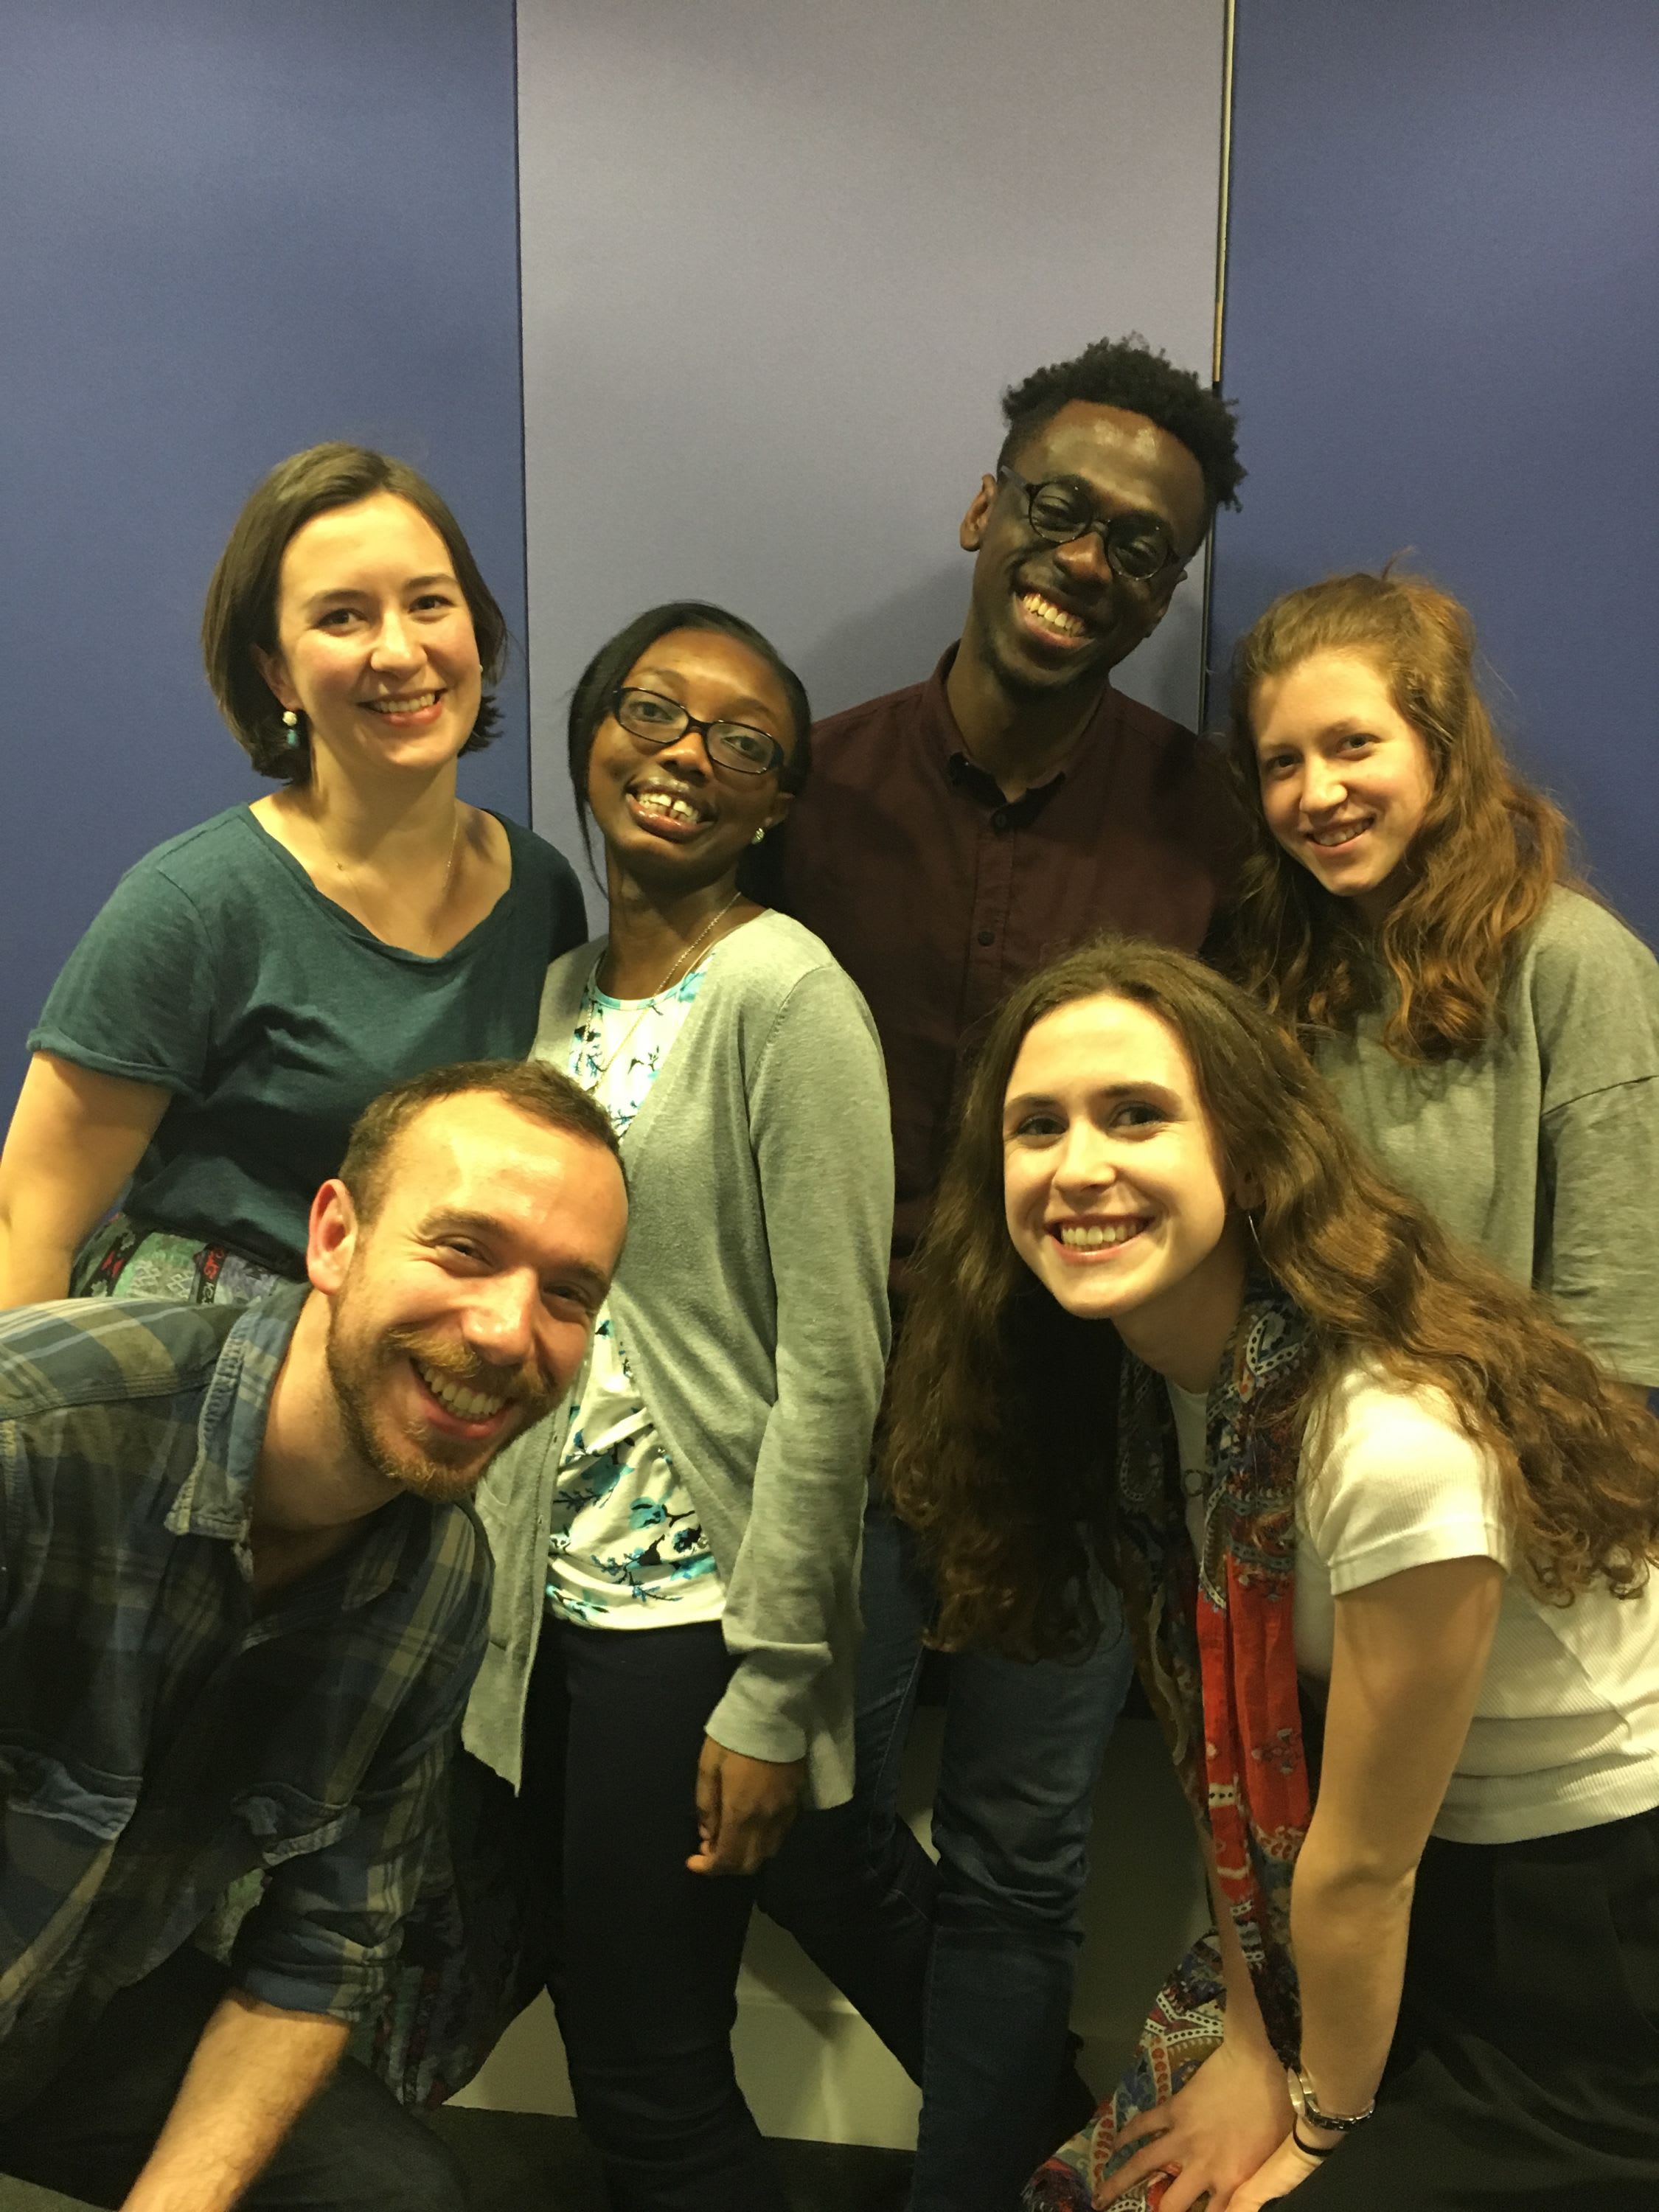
[242,1598]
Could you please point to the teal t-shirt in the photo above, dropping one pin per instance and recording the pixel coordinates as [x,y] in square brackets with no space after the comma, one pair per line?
[219,971]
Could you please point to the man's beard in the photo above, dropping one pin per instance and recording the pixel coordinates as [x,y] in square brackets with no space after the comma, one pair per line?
[357,1371]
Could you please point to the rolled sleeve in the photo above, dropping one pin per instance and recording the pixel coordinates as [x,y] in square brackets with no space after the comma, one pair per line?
[1594,994]
[1601,1167]
[134,997]
[1401,1486]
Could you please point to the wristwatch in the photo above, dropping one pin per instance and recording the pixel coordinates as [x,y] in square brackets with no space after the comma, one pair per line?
[1306,2105]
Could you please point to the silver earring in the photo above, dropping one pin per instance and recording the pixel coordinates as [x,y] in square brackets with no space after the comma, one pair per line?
[757,836]
[291,722]
[1255,1236]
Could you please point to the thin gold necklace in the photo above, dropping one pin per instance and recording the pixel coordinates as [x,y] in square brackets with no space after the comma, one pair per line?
[685,960]
[449,873]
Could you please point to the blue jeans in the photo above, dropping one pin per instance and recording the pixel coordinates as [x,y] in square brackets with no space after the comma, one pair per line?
[965,1969]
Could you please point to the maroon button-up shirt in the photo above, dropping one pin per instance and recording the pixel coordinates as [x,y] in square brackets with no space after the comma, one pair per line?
[938,894]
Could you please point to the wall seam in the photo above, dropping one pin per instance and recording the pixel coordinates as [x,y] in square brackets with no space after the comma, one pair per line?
[1218,328]
[524,434]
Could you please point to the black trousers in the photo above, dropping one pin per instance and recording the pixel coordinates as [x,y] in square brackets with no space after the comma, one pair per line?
[88,2133]
[645,1953]
[1524,2072]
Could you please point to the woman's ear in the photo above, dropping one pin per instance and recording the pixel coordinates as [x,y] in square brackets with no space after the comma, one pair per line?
[1247,1194]
[272,667]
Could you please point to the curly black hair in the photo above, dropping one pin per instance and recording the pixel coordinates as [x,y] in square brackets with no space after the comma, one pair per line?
[1127,373]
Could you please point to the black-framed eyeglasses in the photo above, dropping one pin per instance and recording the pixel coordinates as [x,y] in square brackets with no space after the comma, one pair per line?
[1137,546]
[655,720]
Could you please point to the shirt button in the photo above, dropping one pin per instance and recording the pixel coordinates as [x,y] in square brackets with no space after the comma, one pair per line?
[987,937]
[999,819]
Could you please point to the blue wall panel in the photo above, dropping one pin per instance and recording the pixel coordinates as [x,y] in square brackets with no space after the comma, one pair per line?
[231,229]
[1442,317]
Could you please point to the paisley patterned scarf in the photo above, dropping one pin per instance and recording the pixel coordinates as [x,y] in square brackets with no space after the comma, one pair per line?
[1215,1648]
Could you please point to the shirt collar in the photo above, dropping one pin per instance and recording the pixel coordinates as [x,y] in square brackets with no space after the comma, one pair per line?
[213,1498]
[965,774]
[937,717]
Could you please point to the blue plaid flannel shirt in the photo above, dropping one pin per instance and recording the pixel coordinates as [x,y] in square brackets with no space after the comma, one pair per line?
[161,1740]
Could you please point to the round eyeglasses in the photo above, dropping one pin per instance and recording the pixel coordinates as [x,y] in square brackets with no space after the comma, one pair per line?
[655,720]
[1137,546]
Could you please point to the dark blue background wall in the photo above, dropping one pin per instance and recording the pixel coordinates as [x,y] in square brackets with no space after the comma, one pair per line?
[1442,323]
[231,229]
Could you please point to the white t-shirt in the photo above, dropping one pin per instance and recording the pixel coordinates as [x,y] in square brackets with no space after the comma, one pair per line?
[1565,1733]
[1191,1410]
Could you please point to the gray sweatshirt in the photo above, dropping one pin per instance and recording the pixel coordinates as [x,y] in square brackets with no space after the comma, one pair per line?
[1543,1148]
[751,1303]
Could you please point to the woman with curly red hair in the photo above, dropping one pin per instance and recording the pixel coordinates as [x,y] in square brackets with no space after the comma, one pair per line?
[1383,1530]
[1492,1032]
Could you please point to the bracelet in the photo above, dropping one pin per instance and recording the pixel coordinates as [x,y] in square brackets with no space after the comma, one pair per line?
[1311,2150]
[1306,2105]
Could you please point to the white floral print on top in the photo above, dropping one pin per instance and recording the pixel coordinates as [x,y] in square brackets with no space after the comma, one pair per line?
[626,1549]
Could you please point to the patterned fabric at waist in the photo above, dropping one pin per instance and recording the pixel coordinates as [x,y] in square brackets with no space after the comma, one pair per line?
[123,1260]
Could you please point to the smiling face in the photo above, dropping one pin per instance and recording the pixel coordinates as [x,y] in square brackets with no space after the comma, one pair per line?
[1044,617]
[1345,780]
[1112,1187]
[460,1309]
[669,814]
[375,640]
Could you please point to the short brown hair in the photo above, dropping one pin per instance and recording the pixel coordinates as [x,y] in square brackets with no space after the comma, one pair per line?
[240,614]
[530,1084]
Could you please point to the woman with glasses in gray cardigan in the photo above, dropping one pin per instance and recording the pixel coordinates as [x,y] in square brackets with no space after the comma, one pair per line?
[669,1679]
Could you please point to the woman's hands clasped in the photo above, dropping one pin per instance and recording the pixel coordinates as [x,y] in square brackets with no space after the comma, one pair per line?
[1223,2133]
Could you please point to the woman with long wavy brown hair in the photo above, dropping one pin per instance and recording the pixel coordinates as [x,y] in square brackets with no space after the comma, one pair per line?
[1408,909]
[1359,1490]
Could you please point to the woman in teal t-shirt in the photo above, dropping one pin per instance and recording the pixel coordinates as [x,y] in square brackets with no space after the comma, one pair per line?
[250,986]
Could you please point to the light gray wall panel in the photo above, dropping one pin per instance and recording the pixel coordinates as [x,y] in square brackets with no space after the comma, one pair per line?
[780,257]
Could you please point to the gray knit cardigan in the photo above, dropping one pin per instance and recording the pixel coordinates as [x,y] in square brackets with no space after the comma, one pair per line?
[751,1305]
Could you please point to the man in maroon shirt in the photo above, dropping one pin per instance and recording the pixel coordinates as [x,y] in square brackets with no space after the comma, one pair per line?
[950,838]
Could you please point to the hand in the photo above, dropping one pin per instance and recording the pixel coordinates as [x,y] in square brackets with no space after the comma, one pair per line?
[744,1807]
[1277,2177]
[1218,2133]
